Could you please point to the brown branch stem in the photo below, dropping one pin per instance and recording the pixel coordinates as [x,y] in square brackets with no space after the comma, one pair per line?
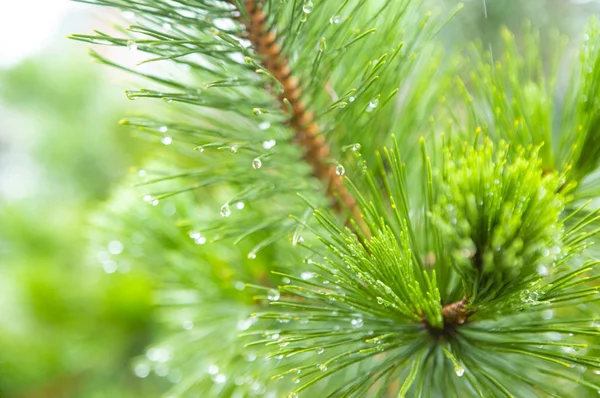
[302,121]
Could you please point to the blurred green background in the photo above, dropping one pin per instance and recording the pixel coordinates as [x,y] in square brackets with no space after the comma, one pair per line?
[67,328]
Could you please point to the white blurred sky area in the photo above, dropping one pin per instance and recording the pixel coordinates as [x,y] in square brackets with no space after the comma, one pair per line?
[27,26]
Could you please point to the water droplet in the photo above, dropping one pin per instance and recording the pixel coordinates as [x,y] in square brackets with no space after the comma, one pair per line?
[251,255]
[158,354]
[225,210]
[542,270]
[166,140]
[188,324]
[307,275]
[351,99]
[460,370]
[132,46]
[151,199]
[220,378]
[257,111]
[320,351]
[545,252]
[336,19]
[356,147]
[322,367]
[233,149]
[239,285]
[166,26]
[273,294]
[307,7]
[357,323]
[340,170]
[198,238]
[142,173]
[115,247]
[213,369]
[547,314]
[269,144]
[244,324]
[239,205]
[264,125]
[199,149]
[256,163]
[372,105]
[168,100]
[163,129]
[141,370]
[294,395]
[286,281]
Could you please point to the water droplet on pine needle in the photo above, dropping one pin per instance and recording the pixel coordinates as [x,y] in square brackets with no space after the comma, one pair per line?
[256,163]
[166,140]
[131,45]
[340,170]
[225,210]
[460,370]
[336,19]
[273,295]
[269,144]
[307,7]
[306,275]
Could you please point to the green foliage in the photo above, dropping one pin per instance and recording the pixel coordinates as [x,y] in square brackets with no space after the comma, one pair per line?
[469,260]
[499,216]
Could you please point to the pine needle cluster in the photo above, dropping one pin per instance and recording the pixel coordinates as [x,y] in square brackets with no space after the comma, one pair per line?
[310,228]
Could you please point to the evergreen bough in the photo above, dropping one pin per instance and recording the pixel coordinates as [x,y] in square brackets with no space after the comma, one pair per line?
[338,209]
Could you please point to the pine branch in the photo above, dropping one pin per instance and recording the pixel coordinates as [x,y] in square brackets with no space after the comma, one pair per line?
[302,121]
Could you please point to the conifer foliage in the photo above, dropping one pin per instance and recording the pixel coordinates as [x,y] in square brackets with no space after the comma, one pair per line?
[311,229]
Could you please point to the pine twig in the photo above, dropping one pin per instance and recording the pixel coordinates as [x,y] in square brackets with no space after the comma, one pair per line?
[302,121]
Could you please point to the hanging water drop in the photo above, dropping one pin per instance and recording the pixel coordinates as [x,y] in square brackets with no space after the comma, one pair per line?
[273,295]
[340,170]
[306,275]
[460,370]
[257,111]
[131,45]
[264,125]
[225,210]
[269,144]
[256,163]
[163,129]
[233,149]
[372,104]
[166,140]
[198,238]
[239,205]
[336,19]
[307,7]
[251,255]
[188,324]
[199,149]
[168,100]
[357,323]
